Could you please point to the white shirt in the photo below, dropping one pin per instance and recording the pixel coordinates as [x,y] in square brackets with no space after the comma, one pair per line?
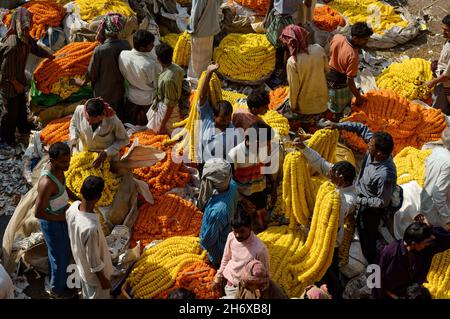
[110,136]
[88,244]
[141,71]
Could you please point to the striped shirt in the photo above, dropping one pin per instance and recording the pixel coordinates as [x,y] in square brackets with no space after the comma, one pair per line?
[216,223]
[14,54]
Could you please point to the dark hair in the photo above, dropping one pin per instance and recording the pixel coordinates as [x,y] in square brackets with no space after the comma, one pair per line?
[95,107]
[164,53]
[92,188]
[419,292]
[346,169]
[240,218]
[181,293]
[361,30]
[142,38]
[446,20]
[257,99]
[383,142]
[264,132]
[417,232]
[222,108]
[58,149]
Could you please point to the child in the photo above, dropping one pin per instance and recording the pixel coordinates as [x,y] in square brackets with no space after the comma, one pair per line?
[88,242]
[242,247]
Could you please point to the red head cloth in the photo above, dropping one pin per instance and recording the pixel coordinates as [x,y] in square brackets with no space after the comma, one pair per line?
[107,110]
[296,39]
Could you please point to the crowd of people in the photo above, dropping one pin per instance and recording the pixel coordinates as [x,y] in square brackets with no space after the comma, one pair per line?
[236,194]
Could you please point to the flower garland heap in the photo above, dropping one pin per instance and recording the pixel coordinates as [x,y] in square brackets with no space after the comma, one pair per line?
[410,164]
[327,19]
[189,133]
[197,277]
[52,76]
[182,50]
[158,267]
[410,124]
[81,167]
[277,121]
[164,175]
[278,97]
[169,216]
[259,6]
[56,131]
[91,9]
[245,57]
[439,276]
[45,14]
[171,39]
[408,79]
[363,11]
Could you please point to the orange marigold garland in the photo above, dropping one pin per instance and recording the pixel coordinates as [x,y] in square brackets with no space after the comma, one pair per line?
[45,14]
[72,60]
[197,277]
[327,19]
[278,97]
[56,131]
[410,124]
[169,216]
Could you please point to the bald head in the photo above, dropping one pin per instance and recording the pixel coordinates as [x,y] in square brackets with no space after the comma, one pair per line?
[446,138]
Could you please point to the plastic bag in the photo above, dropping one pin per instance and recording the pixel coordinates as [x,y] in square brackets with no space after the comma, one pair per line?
[155,117]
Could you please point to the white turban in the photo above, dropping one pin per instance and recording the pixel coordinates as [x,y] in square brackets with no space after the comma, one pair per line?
[215,179]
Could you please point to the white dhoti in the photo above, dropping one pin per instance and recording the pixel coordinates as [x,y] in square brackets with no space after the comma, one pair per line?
[201,56]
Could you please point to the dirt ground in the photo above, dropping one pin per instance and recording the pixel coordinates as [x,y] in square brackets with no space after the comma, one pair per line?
[429,43]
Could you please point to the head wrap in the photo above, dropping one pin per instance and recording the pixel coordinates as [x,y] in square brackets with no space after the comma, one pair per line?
[21,18]
[107,110]
[112,24]
[314,292]
[215,179]
[446,138]
[254,273]
[296,39]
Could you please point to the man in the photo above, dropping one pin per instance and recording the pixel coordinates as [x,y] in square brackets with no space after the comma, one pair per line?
[435,196]
[375,184]
[103,71]
[218,200]
[51,204]
[242,246]
[164,111]
[441,94]
[406,262]
[14,50]
[217,134]
[258,104]
[344,65]
[341,174]
[95,127]
[204,25]
[306,69]
[141,71]
[88,243]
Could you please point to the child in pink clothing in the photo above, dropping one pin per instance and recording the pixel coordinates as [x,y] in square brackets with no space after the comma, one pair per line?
[241,247]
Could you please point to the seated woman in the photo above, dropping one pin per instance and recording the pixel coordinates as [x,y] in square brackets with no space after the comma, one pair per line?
[95,127]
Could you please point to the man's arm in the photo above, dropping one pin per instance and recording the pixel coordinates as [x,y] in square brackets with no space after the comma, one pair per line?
[9,68]
[121,138]
[440,194]
[45,190]
[38,51]
[94,261]
[209,237]
[226,256]
[317,162]
[204,86]
[444,77]
[294,84]
[94,68]
[171,100]
[358,128]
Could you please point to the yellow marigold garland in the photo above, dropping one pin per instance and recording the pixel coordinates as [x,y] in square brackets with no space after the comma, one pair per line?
[439,276]
[410,163]
[325,142]
[245,57]
[157,269]
[182,50]
[407,78]
[89,9]
[81,167]
[277,121]
[171,39]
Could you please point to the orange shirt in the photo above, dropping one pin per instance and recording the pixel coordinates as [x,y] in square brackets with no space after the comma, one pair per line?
[344,58]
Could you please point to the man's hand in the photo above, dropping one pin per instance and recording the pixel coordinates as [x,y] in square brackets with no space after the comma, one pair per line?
[431,84]
[105,283]
[100,159]
[77,82]
[213,67]
[421,218]
[360,100]
[327,124]
[217,283]
[51,57]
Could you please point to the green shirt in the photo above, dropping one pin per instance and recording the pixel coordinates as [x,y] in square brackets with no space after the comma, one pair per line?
[169,86]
